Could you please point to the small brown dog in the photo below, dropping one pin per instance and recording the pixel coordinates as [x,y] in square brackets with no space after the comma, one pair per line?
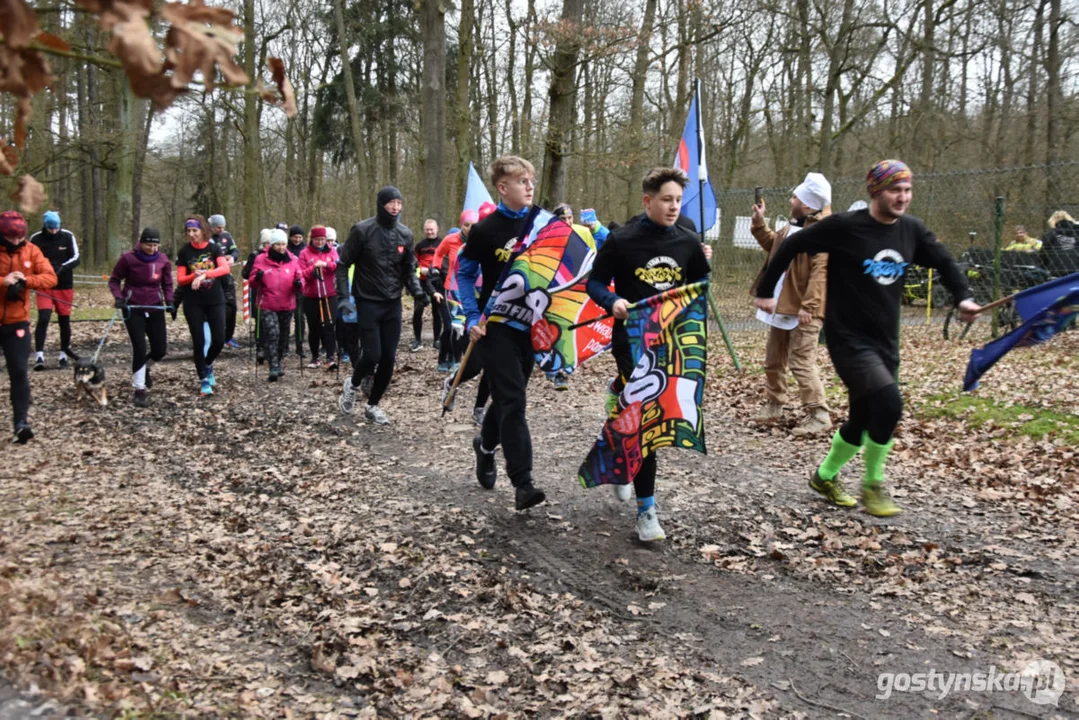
[90,377]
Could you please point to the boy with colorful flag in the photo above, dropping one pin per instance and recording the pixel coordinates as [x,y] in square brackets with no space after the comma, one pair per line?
[869,251]
[505,347]
[644,259]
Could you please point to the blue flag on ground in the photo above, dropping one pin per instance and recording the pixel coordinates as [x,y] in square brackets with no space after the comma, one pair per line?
[476,193]
[1042,326]
[690,158]
[1032,301]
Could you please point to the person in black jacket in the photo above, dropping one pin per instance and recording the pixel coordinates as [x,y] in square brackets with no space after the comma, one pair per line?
[252,292]
[62,251]
[381,248]
[295,246]
[222,237]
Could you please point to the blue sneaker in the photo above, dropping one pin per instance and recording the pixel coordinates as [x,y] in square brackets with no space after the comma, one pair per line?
[443,367]
[233,345]
[210,376]
[345,358]
[206,389]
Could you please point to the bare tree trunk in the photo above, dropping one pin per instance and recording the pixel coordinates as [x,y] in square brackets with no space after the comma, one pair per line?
[136,173]
[560,123]
[252,145]
[433,23]
[1054,91]
[636,106]
[350,87]
[462,115]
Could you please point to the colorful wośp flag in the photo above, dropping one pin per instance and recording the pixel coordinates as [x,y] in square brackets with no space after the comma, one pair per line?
[544,288]
[1039,328]
[661,403]
[476,193]
[690,157]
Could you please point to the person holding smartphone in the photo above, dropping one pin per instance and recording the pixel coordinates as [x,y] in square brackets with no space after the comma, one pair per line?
[796,323]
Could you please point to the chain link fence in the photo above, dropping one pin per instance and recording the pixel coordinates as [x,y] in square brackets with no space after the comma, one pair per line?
[981,215]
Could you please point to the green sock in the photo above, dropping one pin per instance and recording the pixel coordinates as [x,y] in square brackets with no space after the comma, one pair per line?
[875,457]
[842,452]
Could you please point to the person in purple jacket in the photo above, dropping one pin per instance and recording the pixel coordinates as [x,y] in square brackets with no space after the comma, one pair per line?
[276,274]
[141,280]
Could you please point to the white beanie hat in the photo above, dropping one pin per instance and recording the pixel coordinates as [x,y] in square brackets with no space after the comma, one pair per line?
[331,234]
[815,191]
[278,236]
[264,237]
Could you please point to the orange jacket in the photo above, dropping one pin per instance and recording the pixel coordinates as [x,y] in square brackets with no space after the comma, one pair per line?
[39,276]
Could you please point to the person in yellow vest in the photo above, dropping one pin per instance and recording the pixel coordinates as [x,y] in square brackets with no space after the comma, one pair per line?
[1024,242]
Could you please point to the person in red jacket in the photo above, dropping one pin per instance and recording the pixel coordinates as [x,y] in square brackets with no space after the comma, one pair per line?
[23,268]
[199,265]
[143,278]
[318,263]
[277,277]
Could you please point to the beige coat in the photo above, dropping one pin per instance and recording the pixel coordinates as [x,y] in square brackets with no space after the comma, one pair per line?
[807,276]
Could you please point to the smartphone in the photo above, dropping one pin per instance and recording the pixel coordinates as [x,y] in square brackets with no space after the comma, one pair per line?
[758,195]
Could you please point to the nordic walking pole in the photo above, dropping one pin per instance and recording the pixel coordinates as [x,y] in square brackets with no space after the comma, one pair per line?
[457,378]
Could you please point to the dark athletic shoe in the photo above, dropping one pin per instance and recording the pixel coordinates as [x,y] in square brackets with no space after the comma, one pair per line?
[63,363]
[23,433]
[529,496]
[486,469]
[39,364]
[142,398]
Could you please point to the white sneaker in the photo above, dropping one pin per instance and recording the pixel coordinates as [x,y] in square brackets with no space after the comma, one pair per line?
[347,401]
[648,529]
[623,492]
[374,414]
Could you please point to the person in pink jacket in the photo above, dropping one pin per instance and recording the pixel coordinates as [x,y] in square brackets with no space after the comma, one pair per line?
[276,274]
[318,263]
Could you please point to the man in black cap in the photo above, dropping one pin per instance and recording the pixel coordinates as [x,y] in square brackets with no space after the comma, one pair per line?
[381,248]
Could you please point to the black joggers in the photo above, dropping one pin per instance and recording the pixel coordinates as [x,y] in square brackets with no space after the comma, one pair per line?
[507,365]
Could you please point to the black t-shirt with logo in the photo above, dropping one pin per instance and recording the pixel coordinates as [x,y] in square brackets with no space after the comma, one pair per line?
[490,243]
[867,261]
[194,260]
[645,259]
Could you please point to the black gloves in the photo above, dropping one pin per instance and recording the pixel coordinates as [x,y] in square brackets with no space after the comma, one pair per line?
[259,274]
[421,300]
[298,284]
[14,292]
[120,304]
[171,310]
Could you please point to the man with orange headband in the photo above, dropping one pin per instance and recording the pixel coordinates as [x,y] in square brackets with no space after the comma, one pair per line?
[869,251]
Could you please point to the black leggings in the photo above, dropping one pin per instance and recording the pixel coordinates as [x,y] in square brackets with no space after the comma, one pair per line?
[417,321]
[877,414]
[196,315]
[380,334]
[229,286]
[41,332]
[16,343]
[275,330]
[320,313]
[140,324]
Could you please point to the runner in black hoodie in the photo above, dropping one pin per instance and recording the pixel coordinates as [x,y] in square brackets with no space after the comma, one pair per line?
[868,253]
[381,249]
[62,251]
[504,347]
[296,245]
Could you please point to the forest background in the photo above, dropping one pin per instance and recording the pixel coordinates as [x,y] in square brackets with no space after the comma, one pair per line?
[980,98]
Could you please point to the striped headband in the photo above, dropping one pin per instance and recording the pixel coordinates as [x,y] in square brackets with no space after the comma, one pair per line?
[885,174]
